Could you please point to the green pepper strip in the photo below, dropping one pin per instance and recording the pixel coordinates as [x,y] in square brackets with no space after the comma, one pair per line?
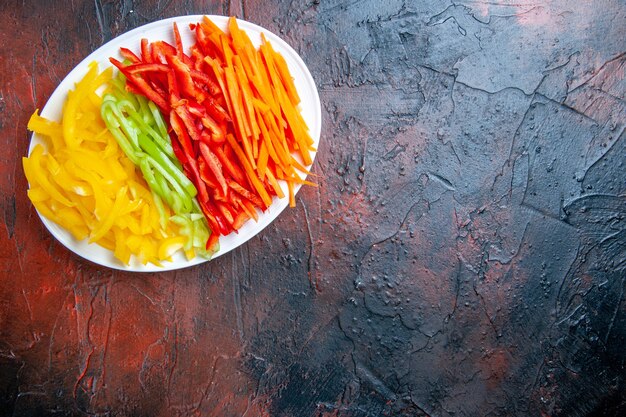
[167,165]
[111,119]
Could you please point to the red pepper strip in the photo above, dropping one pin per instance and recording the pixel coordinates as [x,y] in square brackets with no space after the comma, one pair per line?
[230,168]
[206,80]
[225,209]
[178,150]
[129,55]
[206,175]
[235,202]
[172,87]
[219,136]
[214,165]
[216,223]
[203,194]
[245,193]
[146,54]
[225,226]
[193,173]
[158,87]
[183,112]
[190,168]
[210,217]
[179,42]
[143,86]
[149,67]
[163,49]
[181,144]
[212,241]
[132,89]
[159,52]
[202,40]
[156,56]
[245,206]
[205,137]
[183,136]
[158,81]
[196,57]
[183,75]
[216,110]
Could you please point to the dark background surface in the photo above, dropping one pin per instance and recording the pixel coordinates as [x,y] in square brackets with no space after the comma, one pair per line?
[464,254]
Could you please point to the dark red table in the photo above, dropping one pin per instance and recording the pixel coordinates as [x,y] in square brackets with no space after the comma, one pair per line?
[464,253]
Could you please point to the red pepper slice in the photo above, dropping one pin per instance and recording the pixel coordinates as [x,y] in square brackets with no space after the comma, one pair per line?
[196,57]
[179,42]
[212,241]
[129,55]
[224,227]
[183,75]
[218,135]
[203,194]
[143,86]
[216,110]
[215,221]
[215,227]
[183,113]
[181,144]
[246,193]
[202,40]
[206,175]
[146,53]
[159,87]
[181,133]
[215,166]
[172,86]
[235,172]
[178,150]
[162,50]
[206,80]
[149,67]
[225,209]
[132,89]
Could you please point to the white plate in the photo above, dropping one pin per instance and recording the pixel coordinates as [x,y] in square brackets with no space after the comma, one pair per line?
[162,30]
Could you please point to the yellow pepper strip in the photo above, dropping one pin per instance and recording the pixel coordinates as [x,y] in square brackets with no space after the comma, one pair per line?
[120,203]
[33,165]
[121,250]
[37,195]
[64,180]
[170,246]
[48,128]
[190,254]
[78,232]
[83,181]
[71,108]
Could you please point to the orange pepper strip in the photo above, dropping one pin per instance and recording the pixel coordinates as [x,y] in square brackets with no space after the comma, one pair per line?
[250,172]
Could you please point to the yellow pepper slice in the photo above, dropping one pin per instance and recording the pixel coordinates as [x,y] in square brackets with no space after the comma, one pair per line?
[84,182]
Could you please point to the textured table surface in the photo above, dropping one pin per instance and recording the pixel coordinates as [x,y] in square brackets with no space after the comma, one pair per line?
[464,253]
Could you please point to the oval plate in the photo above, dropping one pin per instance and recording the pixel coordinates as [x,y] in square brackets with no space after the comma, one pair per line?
[162,30]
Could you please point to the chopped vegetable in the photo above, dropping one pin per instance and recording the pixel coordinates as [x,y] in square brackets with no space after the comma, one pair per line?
[140,130]
[83,181]
[233,110]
